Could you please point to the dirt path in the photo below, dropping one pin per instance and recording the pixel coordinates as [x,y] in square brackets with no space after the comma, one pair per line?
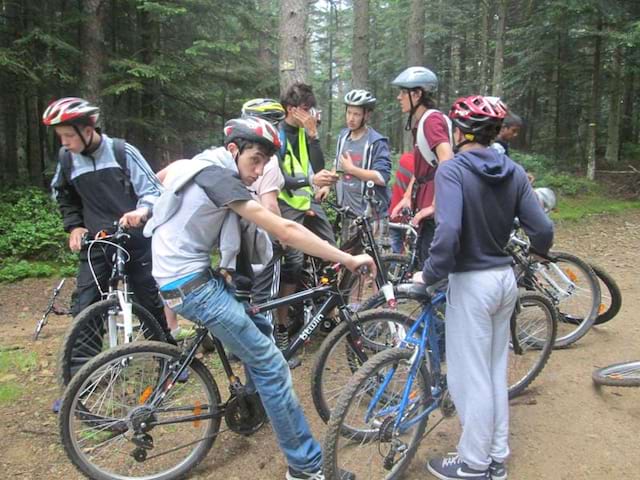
[562,428]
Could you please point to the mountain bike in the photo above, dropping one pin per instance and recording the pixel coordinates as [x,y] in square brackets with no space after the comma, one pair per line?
[115,319]
[52,307]
[381,415]
[569,282]
[126,414]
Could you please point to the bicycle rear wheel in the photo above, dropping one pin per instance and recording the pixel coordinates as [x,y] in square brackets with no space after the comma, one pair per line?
[111,430]
[573,286]
[611,297]
[535,332]
[362,436]
[88,334]
[409,300]
[337,359]
[625,374]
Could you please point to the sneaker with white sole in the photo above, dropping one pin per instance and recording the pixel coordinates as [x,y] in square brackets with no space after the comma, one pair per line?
[497,470]
[453,468]
[293,474]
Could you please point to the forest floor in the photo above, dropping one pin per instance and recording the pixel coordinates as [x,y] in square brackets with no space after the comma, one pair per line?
[562,428]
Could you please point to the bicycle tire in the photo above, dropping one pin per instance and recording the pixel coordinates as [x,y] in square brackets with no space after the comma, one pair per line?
[572,327]
[624,374]
[77,406]
[614,297]
[79,346]
[536,337]
[327,364]
[361,287]
[377,437]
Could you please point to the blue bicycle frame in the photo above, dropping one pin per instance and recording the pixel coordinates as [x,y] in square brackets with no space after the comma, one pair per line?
[428,343]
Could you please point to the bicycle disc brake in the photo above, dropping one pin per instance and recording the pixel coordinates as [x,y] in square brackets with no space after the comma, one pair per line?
[245,414]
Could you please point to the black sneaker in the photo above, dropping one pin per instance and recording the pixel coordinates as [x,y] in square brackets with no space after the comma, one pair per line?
[453,468]
[497,470]
[293,474]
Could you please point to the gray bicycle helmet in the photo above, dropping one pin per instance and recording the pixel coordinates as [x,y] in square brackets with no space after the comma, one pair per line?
[417,77]
[360,98]
[547,198]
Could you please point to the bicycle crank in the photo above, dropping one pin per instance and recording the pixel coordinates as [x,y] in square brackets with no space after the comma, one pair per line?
[244,413]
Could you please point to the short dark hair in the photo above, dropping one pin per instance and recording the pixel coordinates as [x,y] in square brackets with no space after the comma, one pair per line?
[512,120]
[298,94]
[267,150]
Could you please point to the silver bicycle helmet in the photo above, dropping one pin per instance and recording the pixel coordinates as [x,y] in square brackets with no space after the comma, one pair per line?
[547,198]
[360,98]
[417,77]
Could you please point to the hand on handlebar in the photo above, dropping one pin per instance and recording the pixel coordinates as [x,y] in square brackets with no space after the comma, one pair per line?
[402,204]
[76,238]
[418,278]
[421,215]
[362,265]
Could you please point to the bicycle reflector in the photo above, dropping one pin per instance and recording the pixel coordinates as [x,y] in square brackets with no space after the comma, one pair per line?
[145,395]
[197,410]
[571,274]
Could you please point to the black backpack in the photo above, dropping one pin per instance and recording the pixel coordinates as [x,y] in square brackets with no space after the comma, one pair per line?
[64,157]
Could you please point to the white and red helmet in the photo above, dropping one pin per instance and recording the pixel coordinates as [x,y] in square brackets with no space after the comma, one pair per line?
[252,129]
[69,111]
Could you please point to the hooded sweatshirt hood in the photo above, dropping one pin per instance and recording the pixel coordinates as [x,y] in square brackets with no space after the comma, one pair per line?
[489,164]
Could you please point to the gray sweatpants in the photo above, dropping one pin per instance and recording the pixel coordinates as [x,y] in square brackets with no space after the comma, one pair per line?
[479,306]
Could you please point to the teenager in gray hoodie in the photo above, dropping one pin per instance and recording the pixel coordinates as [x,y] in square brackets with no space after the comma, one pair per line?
[478,195]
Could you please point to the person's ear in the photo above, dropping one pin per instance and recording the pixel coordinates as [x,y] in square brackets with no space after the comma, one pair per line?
[232,148]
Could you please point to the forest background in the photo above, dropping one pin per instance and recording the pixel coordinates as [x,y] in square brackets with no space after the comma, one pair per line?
[168,74]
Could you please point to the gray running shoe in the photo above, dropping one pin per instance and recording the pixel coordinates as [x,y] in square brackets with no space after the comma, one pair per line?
[453,468]
[497,470]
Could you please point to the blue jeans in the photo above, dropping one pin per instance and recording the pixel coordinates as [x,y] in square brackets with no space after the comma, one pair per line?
[396,238]
[214,307]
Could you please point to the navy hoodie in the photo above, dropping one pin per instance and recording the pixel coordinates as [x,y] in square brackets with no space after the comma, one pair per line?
[478,194]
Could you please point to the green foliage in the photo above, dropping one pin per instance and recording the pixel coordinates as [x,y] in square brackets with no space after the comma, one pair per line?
[13,363]
[577,207]
[31,235]
[547,174]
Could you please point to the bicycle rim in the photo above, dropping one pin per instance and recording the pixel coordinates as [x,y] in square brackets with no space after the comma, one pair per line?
[626,374]
[109,400]
[535,330]
[89,334]
[337,359]
[363,437]
[575,291]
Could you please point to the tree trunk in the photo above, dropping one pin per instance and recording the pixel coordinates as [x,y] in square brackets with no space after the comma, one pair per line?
[498,62]
[626,129]
[483,62]
[92,43]
[9,101]
[595,104]
[612,154]
[360,50]
[293,43]
[266,56]
[415,53]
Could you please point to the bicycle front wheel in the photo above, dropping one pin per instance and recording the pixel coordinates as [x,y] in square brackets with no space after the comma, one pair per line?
[89,334]
[340,354]
[534,329]
[626,374]
[374,430]
[573,286]
[111,428]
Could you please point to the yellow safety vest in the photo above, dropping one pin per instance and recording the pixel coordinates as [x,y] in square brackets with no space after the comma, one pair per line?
[300,199]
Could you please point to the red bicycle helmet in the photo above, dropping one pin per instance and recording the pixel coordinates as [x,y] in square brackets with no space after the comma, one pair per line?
[252,129]
[70,110]
[476,114]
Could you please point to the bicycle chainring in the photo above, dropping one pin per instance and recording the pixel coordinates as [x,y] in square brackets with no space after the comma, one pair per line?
[244,414]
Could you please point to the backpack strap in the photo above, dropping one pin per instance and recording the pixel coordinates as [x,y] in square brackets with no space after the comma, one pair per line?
[64,158]
[119,151]
[421,139]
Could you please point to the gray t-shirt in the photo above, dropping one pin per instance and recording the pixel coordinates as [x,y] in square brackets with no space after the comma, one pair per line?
[349,188]
[182,245]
